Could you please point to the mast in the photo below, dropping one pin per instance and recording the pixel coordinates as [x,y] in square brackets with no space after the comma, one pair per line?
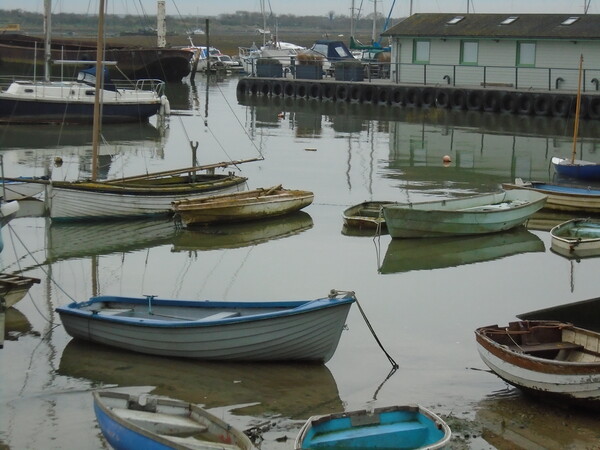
[374,33]
[352,19]
[577,108]
[264,15]
[98,91]
[161,25]
[47,38]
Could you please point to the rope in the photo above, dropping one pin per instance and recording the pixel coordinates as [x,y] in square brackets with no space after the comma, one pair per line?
[390,359]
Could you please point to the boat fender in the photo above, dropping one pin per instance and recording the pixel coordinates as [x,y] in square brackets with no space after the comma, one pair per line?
[368,94]
[584,107]
[491,101]
[165,106]
[414,97]
[383,96]
[459,99]
[594,108]
[265,88]
[341,91]
[242,87]
[508,102]
[428,97]
[301,90]
[442,98]
[328,92]
[277,89]
[315,91]
[355,94]
[561,106]
[525,103]
[474,100]
[398,96]
[288,90]
[253,88]
[542,104]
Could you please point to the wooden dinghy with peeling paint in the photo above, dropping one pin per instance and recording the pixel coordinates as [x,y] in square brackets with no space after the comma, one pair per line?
[131,422]
[551,359]
[241,206]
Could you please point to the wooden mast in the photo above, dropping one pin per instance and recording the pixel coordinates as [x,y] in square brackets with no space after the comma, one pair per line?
[577,110]
[98,92]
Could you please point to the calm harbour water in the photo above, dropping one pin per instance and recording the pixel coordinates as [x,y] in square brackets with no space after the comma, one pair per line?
[424,299]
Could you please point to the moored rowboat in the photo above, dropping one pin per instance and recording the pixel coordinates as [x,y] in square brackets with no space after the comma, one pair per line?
[394,427]
[547,358]
[306,330]
[131,422]
[365,215]
[479,214]
[241,206]
[576,238]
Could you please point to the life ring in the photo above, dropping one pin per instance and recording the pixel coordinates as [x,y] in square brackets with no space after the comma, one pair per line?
[428,97]
[368,94]
[542,104]
[242,87]
[328,92]
[414,97]
[584,107]
[491,101]
[474,100]
[314,91]
[301,90]
[277,89]
[594,108]
[561,106]
[397,97]
[341,92]
[383,96]
[442,98]
[525,103]
[508,102]
[288,89]
[458,99]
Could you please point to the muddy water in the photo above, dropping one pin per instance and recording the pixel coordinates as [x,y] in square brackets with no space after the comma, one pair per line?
[423,300]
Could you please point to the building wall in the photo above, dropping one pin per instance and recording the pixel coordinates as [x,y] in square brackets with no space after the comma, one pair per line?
[556,65]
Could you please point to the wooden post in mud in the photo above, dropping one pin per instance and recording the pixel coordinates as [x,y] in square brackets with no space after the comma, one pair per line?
[207,48]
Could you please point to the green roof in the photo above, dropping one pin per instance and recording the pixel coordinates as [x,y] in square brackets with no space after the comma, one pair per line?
[525,26]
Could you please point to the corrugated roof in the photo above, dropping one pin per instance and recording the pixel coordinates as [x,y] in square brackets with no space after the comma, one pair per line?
[527,26]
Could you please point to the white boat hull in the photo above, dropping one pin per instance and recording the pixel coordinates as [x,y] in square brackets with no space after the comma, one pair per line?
[566,242]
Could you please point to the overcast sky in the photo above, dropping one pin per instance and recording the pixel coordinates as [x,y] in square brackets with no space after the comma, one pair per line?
[308,7]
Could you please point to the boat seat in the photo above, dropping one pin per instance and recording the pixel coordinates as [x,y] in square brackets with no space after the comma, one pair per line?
[167,424]
[112,311]
[219,316]
[407,432]
[548,346]
[199,444]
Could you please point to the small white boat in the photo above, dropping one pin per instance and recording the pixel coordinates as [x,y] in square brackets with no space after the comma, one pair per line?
[554,360]
[577,238]
[132,422]
[241,206]
[479,214]
[365,215]
[393,427]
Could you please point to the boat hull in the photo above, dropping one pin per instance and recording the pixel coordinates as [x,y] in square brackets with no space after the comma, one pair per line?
[86,201]
[241,207]
[480,214]
[400,427]
[130,422]
[563,198]
[582,170]
[573,377]
[365,216]
[262,331]
[576,238]
[37,111]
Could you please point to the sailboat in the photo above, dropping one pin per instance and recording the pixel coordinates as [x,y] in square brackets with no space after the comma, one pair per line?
[571,167]
[136,196]
[48,101]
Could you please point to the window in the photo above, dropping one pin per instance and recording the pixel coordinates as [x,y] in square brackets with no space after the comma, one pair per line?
[455,20]
[509,20]
[570,21]
[421,52]
[469,51]
[526,54]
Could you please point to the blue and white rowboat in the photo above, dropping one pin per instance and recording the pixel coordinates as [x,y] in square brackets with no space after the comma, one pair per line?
[394,427]
[132,422]
[306,330]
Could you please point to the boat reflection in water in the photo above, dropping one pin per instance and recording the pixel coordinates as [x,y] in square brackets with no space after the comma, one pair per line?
[13,325]
[239,235]
[294,391]
[404,255]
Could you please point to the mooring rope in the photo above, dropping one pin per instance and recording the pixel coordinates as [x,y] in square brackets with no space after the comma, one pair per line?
[390,359]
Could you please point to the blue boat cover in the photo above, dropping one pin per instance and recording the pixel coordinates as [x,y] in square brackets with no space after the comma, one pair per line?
[88,76]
